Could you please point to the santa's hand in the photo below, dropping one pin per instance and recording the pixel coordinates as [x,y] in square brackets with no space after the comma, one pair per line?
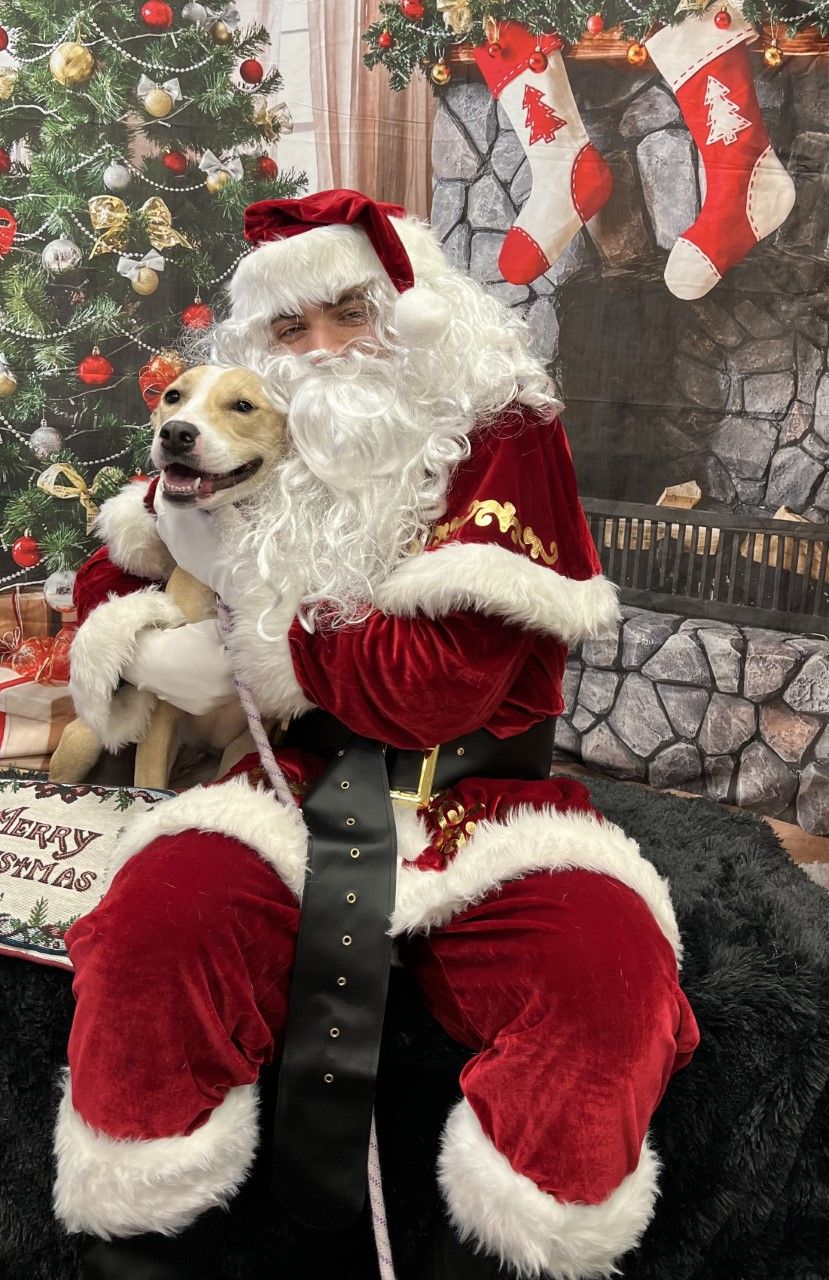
[192,538]
[185,666]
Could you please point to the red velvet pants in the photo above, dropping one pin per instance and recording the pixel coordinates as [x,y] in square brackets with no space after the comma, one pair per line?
[561,982]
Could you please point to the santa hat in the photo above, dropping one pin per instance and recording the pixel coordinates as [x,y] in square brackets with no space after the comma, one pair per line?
[316,248]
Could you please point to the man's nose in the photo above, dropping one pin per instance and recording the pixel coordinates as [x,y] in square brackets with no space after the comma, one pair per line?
[325,335]
[178,437]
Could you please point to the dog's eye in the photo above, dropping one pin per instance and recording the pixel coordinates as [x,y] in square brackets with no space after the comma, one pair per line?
[243,406]
[172,396]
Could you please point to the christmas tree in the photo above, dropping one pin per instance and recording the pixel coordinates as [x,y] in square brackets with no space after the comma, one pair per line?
[131,140]
[541,120]
[724,119]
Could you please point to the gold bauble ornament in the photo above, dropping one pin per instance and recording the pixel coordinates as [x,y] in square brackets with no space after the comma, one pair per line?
[158,103]
[146,282]
[71,63]
[8,382]
[220,33]
[216,180]
[773,56]
[637,54]
[440,73]
[8,79]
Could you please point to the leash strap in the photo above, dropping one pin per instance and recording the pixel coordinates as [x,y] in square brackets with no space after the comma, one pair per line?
[338,992]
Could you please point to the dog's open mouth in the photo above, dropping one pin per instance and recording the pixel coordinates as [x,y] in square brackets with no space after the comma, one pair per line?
[184,484]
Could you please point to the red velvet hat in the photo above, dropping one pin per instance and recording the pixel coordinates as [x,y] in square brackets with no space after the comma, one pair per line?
[419,313]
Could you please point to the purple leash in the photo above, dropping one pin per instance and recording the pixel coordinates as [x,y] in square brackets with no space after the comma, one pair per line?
[282,791]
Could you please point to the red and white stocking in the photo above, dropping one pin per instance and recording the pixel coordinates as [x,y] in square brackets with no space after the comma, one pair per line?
[748,193]
[571,181]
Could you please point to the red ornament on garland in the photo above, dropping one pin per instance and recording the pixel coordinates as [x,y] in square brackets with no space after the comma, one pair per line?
[385,40]
[95,370]
[158,15]
[595,24]
[8,230]
[156,376]
[266,167]
[723,19]
[26,552]
[4,39]
[537,61]
[197,316]
[412,9]
[5,160]
[251,71]
[175,161]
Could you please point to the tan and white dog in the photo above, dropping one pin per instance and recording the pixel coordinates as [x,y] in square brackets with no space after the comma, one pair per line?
[216,436]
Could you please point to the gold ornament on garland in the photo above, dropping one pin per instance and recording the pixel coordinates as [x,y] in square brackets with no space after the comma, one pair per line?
[224,24]
[637,54]
[71,63]
[773,56]
[456,15]
[158,99]
[142,275]
[220,172]
[8,382]
[77,486]
[109,215]
[8,79]
[441,74]
[273,121]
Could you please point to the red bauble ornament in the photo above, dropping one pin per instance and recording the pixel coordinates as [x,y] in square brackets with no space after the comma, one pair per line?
[537,61]
[8,230]
[412,9]
[176,162]
[5,160]
[139,478]
[251,71]
[4,39]
[197,316]
[266,167]
[157,14]
[156,376]
[722,19]
[385,40]
[32,657]
[58,666]
[595,24]
[26,552]
[95,370]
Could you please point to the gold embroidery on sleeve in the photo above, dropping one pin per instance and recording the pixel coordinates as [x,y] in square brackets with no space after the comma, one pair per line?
[483,513]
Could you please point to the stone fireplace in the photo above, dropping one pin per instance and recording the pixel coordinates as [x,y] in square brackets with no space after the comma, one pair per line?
[731,391]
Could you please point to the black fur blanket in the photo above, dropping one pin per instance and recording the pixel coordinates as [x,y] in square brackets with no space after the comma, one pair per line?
[742,1133]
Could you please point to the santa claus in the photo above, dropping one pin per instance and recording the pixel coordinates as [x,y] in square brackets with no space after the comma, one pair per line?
[411,573]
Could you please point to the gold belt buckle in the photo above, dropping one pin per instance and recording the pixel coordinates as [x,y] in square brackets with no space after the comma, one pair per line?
[424,787]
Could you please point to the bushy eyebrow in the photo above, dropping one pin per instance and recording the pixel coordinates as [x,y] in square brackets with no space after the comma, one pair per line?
[352,295]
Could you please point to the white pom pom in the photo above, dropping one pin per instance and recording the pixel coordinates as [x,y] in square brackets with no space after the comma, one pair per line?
[420,314]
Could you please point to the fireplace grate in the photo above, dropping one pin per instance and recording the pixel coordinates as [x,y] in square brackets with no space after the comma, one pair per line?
[709,564]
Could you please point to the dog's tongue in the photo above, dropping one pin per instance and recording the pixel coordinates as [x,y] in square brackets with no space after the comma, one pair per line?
[182,481]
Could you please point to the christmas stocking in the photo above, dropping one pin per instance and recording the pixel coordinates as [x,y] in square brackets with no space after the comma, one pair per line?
[748,193]
[570,180]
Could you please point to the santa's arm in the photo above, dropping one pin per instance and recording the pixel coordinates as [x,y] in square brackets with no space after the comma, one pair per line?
[411,682]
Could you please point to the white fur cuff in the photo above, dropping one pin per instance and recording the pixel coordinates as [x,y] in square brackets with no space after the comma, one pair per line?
[110,1187]
[508,1215]
[103,647]
[131,537]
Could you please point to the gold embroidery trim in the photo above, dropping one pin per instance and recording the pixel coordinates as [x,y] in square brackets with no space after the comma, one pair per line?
[483,513]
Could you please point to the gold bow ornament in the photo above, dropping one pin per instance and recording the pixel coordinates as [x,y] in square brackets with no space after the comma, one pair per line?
[76,487]
[158,99]
[132,268]
[274,121]
[456,15]
[109,215]
[212,166]
[8,79]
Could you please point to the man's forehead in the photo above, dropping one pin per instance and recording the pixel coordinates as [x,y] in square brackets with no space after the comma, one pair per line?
[349,295]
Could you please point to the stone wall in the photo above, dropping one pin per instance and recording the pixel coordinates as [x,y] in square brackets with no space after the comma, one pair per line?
[738,396]
[739,713]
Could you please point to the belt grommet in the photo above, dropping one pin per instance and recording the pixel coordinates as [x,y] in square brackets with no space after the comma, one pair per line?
[334,1032]
[328,1078]
[355,853]
[341,982]
[351,897]
[344,786]
[349,822]
[347,940]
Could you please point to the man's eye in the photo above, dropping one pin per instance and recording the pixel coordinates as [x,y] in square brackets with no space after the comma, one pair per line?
[243,406]
[172,397]
[355,315]
[286,335]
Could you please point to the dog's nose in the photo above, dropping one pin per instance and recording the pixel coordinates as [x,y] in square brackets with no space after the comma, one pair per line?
[178,437]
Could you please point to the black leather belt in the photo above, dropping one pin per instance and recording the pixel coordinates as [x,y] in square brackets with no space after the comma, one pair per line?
[343,953]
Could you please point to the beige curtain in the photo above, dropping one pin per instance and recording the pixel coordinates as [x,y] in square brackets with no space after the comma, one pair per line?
[367,137]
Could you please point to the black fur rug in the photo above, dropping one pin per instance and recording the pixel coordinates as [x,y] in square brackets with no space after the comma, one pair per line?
[742,1133]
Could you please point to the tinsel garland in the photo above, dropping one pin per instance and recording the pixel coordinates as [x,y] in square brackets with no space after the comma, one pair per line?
[411,45]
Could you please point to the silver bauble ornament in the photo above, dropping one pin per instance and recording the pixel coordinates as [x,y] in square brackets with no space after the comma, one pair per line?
[195,14]
[117,176]
[61,255]
[45,442]
[57,590]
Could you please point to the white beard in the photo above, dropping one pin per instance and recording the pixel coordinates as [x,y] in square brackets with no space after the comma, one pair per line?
[371,454]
